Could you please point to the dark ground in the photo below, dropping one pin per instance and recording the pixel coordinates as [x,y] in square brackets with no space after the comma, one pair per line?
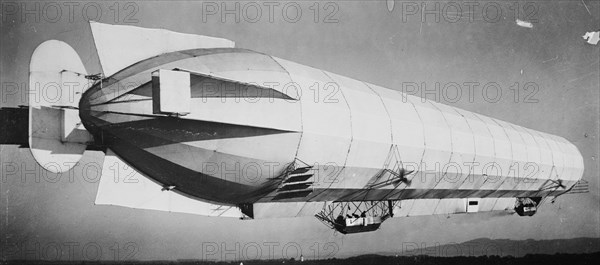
[590,258]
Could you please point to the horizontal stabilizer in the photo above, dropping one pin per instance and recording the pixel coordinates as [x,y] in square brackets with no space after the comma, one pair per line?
[120,46]
[123,185]
[13,126]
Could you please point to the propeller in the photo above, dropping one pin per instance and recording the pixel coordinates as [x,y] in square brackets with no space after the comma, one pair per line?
[401,177]
[559,183]
[167,188]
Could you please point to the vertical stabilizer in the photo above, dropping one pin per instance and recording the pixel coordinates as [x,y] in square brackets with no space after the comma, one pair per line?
[57,137]
[122,185]
[120,46]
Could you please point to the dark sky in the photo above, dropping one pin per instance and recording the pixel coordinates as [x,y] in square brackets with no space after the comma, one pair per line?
[364,41]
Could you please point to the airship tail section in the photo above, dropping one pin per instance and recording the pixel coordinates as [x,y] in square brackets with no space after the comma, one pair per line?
[57,137]
[120,46]
[122,185]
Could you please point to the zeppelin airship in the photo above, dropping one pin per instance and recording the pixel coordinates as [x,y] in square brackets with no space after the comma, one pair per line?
[193,124]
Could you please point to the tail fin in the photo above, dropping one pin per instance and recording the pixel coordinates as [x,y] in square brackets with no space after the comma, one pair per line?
[120,46]
[122,185]
[56,136]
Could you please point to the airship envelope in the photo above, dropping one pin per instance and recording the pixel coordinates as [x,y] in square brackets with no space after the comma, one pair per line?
[193,125]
